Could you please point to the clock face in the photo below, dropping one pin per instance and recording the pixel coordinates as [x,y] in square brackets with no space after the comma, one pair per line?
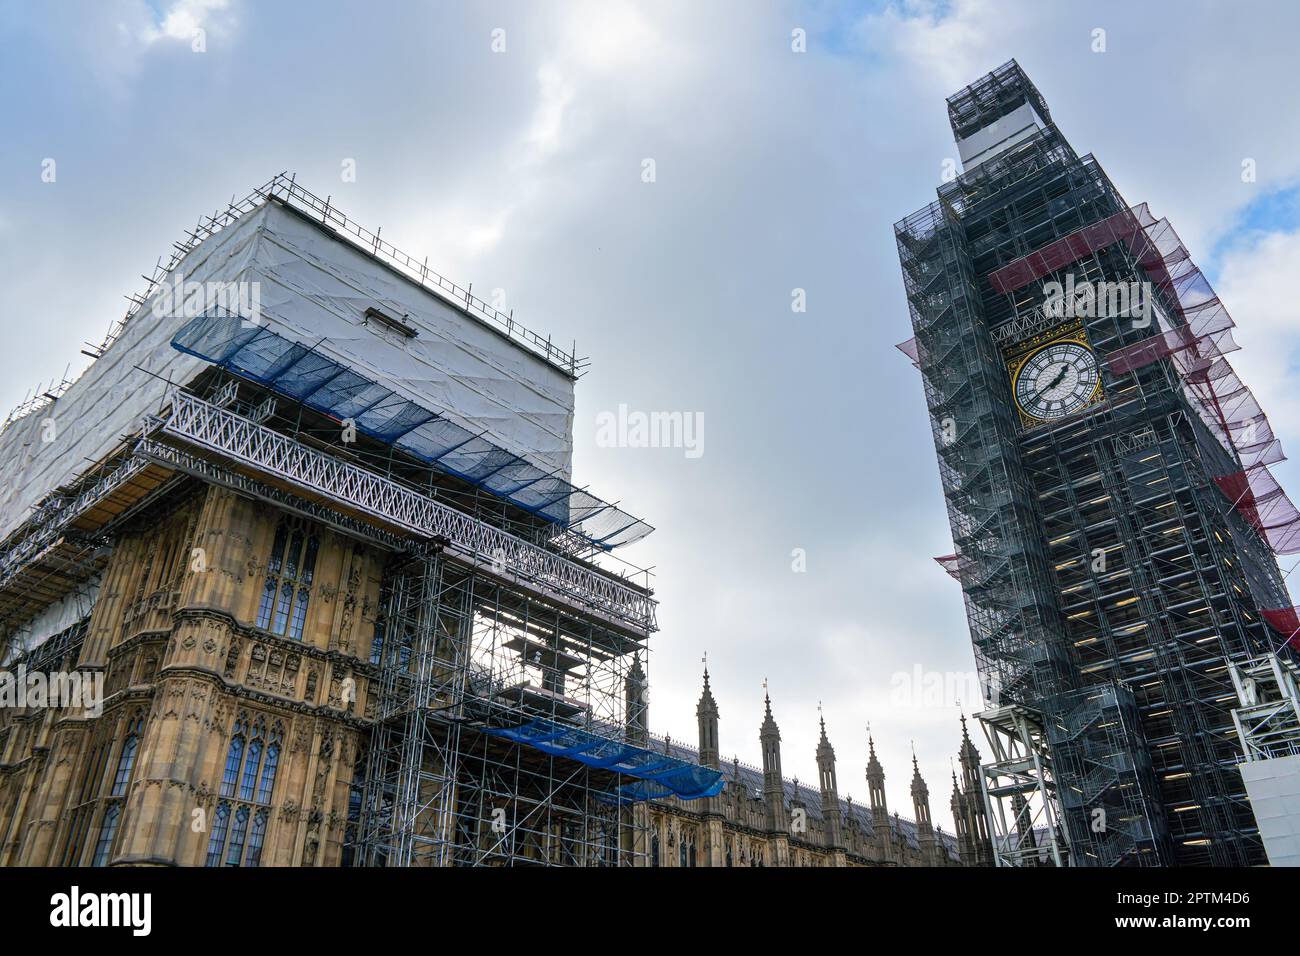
[1057,380]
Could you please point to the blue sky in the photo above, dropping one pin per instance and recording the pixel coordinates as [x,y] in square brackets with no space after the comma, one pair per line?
[775,171]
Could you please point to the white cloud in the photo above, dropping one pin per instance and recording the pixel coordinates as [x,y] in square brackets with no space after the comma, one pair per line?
[555,93]
[1257,285]
[776,170]
[183,19]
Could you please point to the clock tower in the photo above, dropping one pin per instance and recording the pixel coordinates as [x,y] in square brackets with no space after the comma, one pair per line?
[1104,475]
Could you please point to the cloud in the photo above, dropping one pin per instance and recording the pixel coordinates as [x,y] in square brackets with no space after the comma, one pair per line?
[1257,284]
[184,19]
[776,170]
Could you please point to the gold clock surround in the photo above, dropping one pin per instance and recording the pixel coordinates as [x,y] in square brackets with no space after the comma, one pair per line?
[1018,356]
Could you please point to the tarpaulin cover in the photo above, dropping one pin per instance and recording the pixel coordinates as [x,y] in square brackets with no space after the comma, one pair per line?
[656,774]
[254,352]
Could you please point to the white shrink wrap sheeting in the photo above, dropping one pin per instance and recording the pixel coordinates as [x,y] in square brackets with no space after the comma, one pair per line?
[314,288]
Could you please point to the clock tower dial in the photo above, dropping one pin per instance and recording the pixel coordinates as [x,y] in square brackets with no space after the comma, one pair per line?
[1057,380]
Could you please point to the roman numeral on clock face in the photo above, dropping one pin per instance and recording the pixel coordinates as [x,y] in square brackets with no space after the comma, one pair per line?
[1056,381]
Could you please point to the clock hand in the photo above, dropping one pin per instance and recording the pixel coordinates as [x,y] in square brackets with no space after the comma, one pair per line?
[1053,383]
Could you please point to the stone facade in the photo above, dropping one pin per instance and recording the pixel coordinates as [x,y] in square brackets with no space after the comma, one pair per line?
[220,740]
[763,818]
[234,642]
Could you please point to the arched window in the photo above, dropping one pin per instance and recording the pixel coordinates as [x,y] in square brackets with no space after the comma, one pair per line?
[126,761]
[237,835]
[233,757]
[269,767]
[248,782]
[681,854]
[217,842]
[289,572]
[654,850]
[256,838]
[107,830]
[252,763]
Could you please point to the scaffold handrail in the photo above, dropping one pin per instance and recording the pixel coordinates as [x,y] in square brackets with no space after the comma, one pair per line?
[190,419]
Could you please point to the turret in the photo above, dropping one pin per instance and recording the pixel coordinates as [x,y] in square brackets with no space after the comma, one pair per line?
[636,690]
[876,795]
[706,714]
[976,821]
[921,808]
[769,737]
[830,792]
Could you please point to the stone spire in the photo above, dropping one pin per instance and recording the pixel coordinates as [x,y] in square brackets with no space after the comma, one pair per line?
[965,848]
[769,737]
[876,798]
[921,808]
[637,702]
[976,820]
[830,791]
[706,713]
[970,760]
[920,793]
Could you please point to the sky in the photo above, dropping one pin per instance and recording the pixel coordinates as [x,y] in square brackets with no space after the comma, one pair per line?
[509,142]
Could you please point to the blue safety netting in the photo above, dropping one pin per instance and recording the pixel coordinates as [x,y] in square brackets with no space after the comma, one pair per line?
[255,352]
[656,774]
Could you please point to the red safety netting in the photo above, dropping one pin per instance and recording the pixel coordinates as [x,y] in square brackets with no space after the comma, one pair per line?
[911,349]
[1202,319]
[1121,227]
[1201,330]
[1286,621]
[1197,348]
[1196,338]
[954,564]
[1261,501]
[1230,410]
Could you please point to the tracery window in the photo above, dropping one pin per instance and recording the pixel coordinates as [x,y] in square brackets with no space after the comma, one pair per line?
[247,785]
[101,778]
[107,830]
[289,572]
[126,760]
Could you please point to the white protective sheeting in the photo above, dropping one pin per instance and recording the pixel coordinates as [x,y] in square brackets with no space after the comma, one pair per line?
[313,288]
[999,136]
[56,618]
[1273,787]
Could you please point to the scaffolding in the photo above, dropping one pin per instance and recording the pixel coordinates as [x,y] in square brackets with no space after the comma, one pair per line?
[465,660]
[509,678]
[1116,561]
[506,689]
[1020,779]
[1267,717]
